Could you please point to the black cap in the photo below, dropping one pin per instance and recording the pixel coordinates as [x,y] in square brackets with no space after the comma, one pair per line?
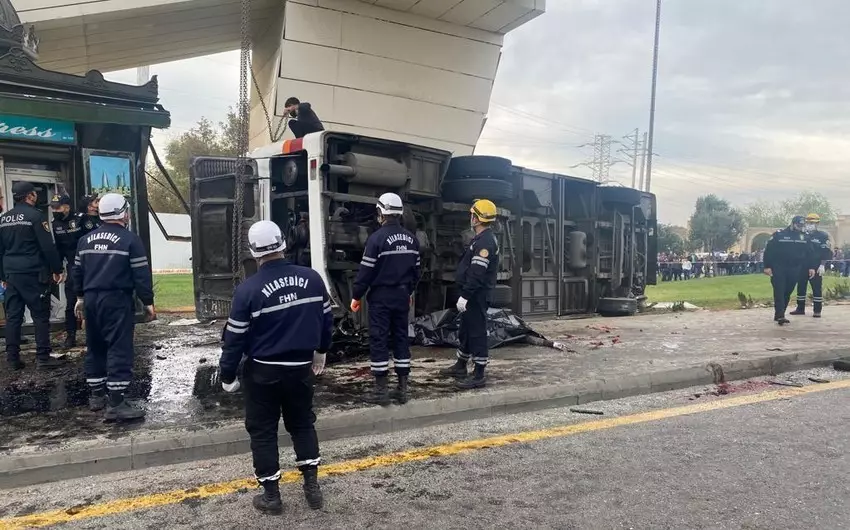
[22,189]
[60,200]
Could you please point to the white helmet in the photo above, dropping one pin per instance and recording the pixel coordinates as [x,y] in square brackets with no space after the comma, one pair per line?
[264,238]
[113,206]
[390,204]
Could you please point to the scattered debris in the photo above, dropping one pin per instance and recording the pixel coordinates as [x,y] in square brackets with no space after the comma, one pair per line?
[786,383]
[202,360]
[157,346]
[774,349]
[677,306]
[185,322]
[818,380]
[587,411]
[161,357]
[735,353]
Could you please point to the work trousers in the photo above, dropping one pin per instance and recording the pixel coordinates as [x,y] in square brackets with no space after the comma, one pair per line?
[300,130]
[27,291]
[783,280]
[272,391]
[110,322]
[70,302]
[389,308]
[472,334]
[817,292]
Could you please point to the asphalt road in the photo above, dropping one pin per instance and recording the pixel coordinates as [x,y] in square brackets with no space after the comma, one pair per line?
[751,459]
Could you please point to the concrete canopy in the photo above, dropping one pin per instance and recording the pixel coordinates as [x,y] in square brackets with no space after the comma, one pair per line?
[79,35]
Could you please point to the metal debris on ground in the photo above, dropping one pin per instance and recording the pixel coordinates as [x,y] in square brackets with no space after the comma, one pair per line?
[185,322]
[818,380]
[786,383]
[587,411]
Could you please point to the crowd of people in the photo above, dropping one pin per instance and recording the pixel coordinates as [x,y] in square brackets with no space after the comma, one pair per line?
[680,267]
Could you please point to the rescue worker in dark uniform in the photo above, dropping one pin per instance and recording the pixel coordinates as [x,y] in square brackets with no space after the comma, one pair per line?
[281,322]
[111,264]
[821,253]
[787,256]
[66,233]
[476,277]
[88,217]
[389,271]
[29,263]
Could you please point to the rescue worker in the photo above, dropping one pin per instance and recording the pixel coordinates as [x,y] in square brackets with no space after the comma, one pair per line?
[476,277]
[389,271]
[281,322]
[302,118]
[111,264]
[821,253]
[787,256]
[29,262]
[88,218]
[66,233]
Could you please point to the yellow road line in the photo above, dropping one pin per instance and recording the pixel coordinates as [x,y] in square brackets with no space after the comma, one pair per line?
[390,459]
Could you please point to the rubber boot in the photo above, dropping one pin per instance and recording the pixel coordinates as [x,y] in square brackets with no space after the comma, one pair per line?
[458,370]
[379,395]
[98,400]
[269,501]
[781,320]
[312,492]
[70,340]
[49,363]
[477,380]
[817,307]
[120,410]
[801,310]
[15,363]
[400,394]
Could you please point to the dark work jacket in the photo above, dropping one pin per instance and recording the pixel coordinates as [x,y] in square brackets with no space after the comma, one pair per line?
[477,270]
[25,243]
[280,316]
[391,259]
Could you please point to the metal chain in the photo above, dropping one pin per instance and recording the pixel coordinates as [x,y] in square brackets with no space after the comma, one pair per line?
[243,113]
[275,133]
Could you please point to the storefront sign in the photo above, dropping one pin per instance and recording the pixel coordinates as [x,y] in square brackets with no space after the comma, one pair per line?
[36,130]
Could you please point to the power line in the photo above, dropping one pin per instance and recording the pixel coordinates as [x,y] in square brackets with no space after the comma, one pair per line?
[601,162]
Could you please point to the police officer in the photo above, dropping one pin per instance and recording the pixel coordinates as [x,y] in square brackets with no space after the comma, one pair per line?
[821,253]
[88,218]
[66,233]
[476,277]
[29,259]
[389,271]
[281,321]
[787,256]
[111,264]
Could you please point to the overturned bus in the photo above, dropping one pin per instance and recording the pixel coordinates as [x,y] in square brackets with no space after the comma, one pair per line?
[568,245]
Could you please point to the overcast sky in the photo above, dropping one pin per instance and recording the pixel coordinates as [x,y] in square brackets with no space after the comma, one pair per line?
[753,96]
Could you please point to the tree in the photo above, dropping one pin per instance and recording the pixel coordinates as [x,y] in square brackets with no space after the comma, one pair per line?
[669,241]
[715,225]
[779,214]
[202,139]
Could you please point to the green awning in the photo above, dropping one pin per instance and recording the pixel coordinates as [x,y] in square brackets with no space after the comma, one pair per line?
[83,111]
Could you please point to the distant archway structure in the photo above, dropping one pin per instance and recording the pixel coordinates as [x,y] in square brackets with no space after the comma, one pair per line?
[757,234]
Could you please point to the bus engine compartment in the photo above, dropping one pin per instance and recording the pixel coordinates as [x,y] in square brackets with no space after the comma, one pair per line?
[567,245]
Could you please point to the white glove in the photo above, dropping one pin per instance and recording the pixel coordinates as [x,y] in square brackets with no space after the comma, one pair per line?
[821,270]
[78,308]
[319,362]
[232,387]
[461,304]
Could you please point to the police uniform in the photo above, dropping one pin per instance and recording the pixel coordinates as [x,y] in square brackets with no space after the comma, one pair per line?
[821,253]
[111,264]
[29,258]
[389,270]
[66,233]
[788,254]
[476,278]
[86,221]
[279,318]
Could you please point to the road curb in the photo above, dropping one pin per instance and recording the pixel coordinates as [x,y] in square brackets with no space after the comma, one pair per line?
[165,448]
